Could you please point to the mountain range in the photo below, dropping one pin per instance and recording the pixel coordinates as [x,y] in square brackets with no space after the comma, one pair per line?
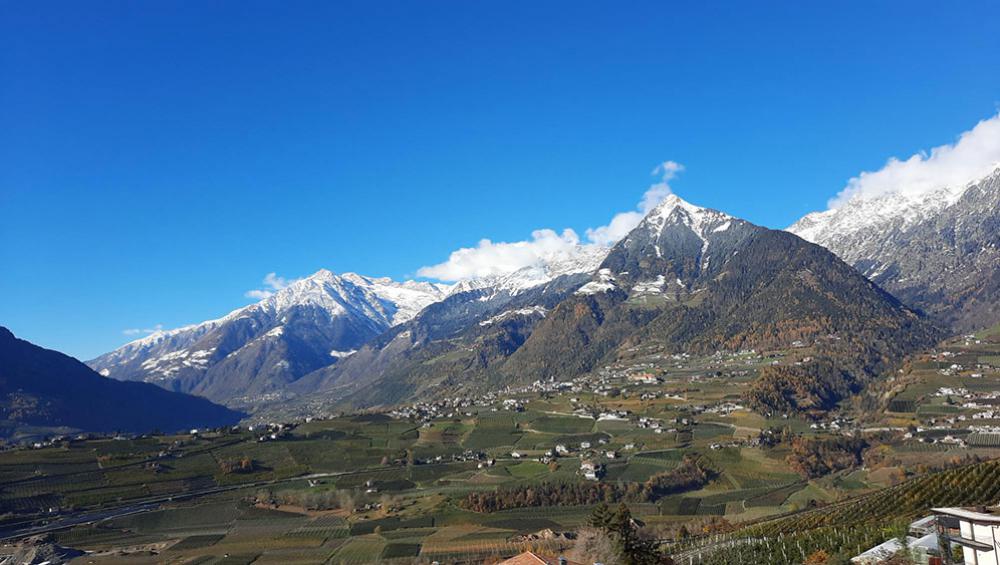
[686,279]
[44,392]
[458,343]
[248,355]
[938,251]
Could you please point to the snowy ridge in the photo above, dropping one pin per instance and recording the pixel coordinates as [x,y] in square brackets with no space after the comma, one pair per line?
[174,340]
[674,210]
[937,249]
[898,211]
[377,302]
[852,229]
[381,299]
[583,260]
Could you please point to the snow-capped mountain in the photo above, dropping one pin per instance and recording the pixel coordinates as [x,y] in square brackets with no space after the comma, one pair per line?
[582,259]
[937,250]
[692,279]
[676,228]
[257,349]
[686,278]
[465,336]
[253,353]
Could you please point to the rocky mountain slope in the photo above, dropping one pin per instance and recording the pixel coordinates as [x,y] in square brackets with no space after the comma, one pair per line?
[245,357]
[687,279]
[938,251]
[690,279]
[458,342]
[44,391]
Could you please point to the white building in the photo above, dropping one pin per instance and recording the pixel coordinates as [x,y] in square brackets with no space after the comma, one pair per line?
[919,549]
[591,471]
[978,533]
[922,543]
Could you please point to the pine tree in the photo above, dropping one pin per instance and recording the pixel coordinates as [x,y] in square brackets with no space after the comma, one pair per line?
[631,548]
[601,517]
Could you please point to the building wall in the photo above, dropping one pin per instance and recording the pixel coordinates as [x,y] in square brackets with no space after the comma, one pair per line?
[985,534]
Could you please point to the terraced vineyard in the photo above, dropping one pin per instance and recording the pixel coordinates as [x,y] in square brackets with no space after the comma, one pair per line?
[848,528]
[370,488]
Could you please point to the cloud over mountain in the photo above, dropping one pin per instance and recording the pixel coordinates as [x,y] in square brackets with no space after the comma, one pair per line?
[273,283]
[973,155]
[140,331]
[490,258]
[624,222]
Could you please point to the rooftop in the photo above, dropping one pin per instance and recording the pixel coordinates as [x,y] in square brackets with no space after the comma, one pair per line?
[531,558]
[978,513]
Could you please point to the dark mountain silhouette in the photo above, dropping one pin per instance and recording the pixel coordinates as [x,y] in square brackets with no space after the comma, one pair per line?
[41,388]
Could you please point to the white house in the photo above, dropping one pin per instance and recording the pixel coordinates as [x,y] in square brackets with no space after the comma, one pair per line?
[978,533]
[922,543]
[591,470]
[919,549]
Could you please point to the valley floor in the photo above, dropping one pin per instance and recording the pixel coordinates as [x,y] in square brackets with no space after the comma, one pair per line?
[395,487]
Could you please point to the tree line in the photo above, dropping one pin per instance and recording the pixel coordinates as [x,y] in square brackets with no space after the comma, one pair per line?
[689,475]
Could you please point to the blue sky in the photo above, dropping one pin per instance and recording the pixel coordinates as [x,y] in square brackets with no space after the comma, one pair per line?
[157,159]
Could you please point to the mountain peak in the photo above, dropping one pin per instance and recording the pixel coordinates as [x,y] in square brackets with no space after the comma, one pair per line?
[934,249]
[673,202]
[898,210]
[675,211]
[582,259]
[324,274]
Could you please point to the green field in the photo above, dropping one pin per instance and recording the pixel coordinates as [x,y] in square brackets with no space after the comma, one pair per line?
[370,488]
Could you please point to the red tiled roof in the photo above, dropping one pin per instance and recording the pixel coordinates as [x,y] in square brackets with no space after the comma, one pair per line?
[531,558]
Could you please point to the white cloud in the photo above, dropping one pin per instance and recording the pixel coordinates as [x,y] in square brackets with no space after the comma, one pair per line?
[490,258]
[272,282]
[974,155]
[624,222]
[147,331]
[617,228]
[257,294]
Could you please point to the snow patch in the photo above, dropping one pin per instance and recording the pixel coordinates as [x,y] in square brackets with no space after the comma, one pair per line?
[534,310]
[605,283]
[650,287]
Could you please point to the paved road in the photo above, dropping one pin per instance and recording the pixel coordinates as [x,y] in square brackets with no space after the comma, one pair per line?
[68,520]
[63,521]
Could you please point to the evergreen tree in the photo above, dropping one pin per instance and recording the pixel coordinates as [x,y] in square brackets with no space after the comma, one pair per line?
[631,548]
[601,517]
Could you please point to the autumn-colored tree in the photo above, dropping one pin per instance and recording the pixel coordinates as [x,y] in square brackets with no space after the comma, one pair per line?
[819,557]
